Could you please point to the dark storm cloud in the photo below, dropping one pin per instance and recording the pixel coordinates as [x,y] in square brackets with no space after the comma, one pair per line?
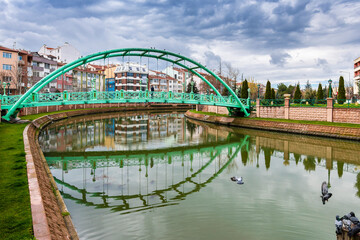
[210,30]
[279,59]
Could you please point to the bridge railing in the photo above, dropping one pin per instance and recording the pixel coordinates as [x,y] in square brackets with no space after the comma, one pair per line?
[42,99]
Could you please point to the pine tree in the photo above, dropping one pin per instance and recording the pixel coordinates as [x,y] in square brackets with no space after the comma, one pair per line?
[268,90]
[341,92]
[320,94]
[244,89]
[297,95]
[273,94]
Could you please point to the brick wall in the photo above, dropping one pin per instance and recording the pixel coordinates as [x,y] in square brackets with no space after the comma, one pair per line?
[307,113]
[346,115]
[272,112]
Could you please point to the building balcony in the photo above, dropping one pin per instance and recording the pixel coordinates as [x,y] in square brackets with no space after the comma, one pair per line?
[36,68]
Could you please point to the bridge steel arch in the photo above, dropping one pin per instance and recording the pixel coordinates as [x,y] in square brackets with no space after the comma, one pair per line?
[126,52]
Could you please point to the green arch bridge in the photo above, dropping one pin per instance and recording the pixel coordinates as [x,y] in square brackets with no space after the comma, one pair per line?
[32,98]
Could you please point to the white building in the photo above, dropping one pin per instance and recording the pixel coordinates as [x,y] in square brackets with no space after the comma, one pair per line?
[356,75]
[181,76]
[65,53]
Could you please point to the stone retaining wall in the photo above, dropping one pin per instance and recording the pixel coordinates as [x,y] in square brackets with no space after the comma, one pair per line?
[308,129]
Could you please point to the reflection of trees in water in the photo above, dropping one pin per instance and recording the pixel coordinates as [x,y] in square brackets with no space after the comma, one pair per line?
[297,158]
[340,168]
[309,163]
[267,154]
[357,185]
[244,156]
[191,127]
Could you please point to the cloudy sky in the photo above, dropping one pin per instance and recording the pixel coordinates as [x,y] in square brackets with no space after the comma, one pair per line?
[284,41]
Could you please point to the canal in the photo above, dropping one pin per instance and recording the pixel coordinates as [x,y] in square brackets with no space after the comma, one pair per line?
[161,176]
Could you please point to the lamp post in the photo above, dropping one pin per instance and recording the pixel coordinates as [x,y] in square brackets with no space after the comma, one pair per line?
[330,93]
[8,85]
[192,86]
[258,86]
[4,85]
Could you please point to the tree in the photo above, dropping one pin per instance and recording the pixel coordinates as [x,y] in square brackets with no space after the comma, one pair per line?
[244,89]
[268,90]
[320,94]
[341,91]
[273,94]
[297,95]
[188,87]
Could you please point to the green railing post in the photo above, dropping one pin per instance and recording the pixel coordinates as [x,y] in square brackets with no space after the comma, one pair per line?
[34,97]
[120,95]
[147,95]
[94,94]
[170,95]
[65,95]
[192,96]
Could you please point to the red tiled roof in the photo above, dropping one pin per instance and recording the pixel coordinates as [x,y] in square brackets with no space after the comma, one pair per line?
[7,49]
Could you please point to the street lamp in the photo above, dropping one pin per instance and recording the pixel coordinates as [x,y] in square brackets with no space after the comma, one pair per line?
[258,86]
[8,85]
[4,85]
[330,93]
[192,86]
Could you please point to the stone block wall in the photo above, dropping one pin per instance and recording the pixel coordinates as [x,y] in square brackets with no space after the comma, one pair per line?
[346,115]
[308,113]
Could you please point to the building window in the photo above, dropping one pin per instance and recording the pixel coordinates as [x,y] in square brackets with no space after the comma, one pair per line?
[47,66]
[19,58]
[6,55]
[6,78]
[6,67]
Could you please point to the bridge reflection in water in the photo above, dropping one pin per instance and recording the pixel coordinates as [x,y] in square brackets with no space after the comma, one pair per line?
[142,181]
[138,178]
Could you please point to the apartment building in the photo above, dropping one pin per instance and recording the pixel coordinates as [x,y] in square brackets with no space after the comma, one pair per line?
[42,67]
[65,53]
[83,77]
[356,75]
[15,70]
[181,77]
[160,81]
[131,77]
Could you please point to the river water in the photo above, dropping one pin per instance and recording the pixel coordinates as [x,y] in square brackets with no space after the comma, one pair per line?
[161,176]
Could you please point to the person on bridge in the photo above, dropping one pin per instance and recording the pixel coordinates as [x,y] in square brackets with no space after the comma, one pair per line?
[152,91]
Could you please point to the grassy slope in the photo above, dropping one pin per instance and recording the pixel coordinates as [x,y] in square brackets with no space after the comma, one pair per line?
[15,221]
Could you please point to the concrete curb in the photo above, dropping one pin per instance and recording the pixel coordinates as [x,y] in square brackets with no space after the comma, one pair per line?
[40,224]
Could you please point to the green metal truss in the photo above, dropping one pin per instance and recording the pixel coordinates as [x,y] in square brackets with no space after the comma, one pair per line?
[31,97]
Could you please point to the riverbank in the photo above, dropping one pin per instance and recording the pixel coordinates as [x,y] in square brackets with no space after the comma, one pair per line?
[312,128]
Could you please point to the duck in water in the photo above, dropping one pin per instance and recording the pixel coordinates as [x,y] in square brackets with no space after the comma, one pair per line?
[325,193]
[238,180]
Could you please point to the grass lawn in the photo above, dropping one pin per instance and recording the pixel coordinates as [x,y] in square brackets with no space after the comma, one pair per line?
[15,221]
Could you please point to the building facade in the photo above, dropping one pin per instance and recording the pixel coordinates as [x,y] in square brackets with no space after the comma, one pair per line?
[131,77]
[15,70]
[160,81]
[356,76]
[42,67]
[65,53]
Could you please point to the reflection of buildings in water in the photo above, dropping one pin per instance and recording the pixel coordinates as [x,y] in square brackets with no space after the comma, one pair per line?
[91,133]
